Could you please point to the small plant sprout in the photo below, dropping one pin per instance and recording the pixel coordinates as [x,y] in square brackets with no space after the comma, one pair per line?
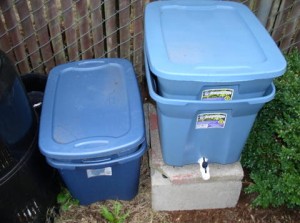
[65,200]
[116,215]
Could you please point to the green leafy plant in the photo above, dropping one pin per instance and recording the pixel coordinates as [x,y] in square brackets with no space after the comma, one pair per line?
[65,200]
[115,215]
[272,152]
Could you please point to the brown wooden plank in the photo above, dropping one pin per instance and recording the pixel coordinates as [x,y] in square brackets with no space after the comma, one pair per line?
[297,40]
[138,58]
[281,18]
[291,27]
[84,32]
[69,28]
[5,45]
[272,17]
[42,33]
[124,28]
[15,35]
[29,36]
[97,27]
[55,32]
[111,28]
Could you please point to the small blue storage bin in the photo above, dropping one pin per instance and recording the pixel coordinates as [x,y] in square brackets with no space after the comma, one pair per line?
[92,128]
[102,179]
[207,50]
[217,130]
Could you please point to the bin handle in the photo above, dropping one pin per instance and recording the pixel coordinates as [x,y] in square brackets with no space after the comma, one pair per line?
[120,160]
[270,94]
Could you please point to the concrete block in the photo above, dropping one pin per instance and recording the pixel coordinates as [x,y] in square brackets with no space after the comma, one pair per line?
[182,188]
[168,196]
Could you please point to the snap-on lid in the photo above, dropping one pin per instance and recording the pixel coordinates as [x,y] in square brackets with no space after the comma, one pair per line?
[209,41]
[92,108]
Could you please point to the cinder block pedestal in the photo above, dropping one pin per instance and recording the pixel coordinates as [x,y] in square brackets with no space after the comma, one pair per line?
[182,188]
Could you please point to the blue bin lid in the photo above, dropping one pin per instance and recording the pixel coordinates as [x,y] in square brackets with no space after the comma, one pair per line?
[92,108]
[209,41]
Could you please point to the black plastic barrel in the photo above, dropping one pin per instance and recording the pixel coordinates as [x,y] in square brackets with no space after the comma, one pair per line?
[18,123]
[35,84]
[28,186]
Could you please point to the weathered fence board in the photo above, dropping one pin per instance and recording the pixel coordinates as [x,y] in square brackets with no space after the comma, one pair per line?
[14,35]
[4,42]
[291,26]
[281,18]
[83,25]
[69,29]
[111,28]
[29,36]
[97,28]
[124,29]
[55,32]
[43,36]
[138,35]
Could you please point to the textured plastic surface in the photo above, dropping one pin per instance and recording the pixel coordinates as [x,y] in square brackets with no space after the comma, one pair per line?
[188,131]
[18,123]
[114,179]
[92,108]
[29,189]
[209,41]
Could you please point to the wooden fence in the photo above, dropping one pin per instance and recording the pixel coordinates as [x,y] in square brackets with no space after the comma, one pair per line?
[40,34]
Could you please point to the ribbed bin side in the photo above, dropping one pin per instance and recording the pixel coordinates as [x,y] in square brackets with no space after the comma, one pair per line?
[18,123]
[29,189]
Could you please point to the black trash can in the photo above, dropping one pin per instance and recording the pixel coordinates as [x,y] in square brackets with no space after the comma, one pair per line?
[28,186]
[18,123]
[35,84]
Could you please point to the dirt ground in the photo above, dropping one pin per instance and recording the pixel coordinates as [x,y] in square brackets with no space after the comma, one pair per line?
[140,211]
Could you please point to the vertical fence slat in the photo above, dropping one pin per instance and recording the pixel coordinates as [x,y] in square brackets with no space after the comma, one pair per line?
[291,26]
[124,21]
[83,23]
[111,28]
[15,35]
[281,19]
[97,27]
[4,42]
[138,35]
[29,36]
[69,29]
[297,40]
[42,34]
[55,32]
[272,17]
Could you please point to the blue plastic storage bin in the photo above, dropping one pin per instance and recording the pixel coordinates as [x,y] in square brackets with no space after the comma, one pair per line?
[102,179]
[217,130]
[92,117]
[209,50]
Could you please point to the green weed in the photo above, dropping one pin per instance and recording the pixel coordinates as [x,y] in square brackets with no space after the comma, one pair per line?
[115,215]
[65,200]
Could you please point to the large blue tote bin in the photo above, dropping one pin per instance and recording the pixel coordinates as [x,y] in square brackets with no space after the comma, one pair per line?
[92,128]
[188,128]
[196,48]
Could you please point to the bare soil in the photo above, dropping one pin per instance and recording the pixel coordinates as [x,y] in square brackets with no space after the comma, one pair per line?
[140,211]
